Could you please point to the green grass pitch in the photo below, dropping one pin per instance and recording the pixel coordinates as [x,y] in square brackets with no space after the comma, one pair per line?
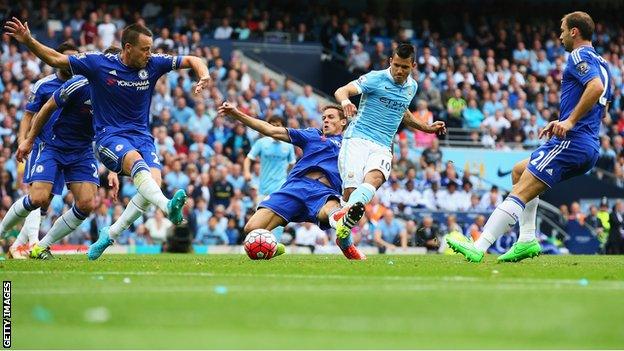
[311,302]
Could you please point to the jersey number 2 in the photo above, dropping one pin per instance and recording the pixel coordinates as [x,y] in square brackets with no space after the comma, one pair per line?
[538,158]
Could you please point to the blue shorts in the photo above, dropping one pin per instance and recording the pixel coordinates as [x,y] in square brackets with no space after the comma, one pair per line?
[58,183]
[300,200]
[73,167]
[558,160]
[112,149]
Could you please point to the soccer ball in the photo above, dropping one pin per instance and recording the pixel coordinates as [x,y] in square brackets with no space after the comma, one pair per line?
[260,244]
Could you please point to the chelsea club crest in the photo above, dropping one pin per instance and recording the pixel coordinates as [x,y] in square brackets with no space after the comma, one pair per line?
[143,74]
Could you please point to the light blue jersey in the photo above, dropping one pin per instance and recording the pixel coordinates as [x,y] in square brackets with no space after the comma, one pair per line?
[275,156]
[382,106]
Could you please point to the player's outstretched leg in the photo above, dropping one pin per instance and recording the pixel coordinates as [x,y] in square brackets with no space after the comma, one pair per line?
[41,253]
[521,250]
[344,222]
[527,245]
[150,190]
[16,214]
[175,207]
[470,252]
[107,235]
[28,236]
[97,248]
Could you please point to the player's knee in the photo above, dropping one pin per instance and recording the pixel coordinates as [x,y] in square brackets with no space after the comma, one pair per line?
[85,205]
[40,199]
[251,225]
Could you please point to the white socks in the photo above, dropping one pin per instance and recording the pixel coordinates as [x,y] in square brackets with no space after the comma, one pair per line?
[332,222]
[527,221]
[64,225]
[504,217]
[150,190]
[16,214]
[30,229]
[136,207]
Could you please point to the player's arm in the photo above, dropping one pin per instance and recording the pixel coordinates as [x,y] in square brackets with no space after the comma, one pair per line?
[247,168]
[18,30]
[38,122]
[24,126]
[279,133]
[200,69]
[413,122]
[381,242]
[343,94]
[591,94]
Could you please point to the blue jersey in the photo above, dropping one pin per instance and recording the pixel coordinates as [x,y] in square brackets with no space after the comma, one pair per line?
[121,95]
[320,153]
[41,92]
[275,156]
[584,64]
[71,125]
[382,106]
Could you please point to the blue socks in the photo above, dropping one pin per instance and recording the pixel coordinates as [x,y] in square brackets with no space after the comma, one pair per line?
[363,193]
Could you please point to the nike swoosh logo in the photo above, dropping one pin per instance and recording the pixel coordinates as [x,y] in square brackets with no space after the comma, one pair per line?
[386,88]
[503,174]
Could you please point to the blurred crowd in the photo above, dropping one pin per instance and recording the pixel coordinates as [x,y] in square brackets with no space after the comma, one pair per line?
[498,80]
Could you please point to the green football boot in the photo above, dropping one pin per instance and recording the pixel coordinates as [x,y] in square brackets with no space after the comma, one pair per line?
[175,206]
[281,249]
[519,251]
[467,249]
[41,253]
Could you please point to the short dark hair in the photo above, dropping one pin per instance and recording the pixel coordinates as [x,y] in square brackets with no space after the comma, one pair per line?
[131,33]
[65,46]
[405,50]
[112,50]
[335,107]
[276,118]
[582,21]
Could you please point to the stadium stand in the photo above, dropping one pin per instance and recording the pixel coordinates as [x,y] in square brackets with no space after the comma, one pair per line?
[493,80]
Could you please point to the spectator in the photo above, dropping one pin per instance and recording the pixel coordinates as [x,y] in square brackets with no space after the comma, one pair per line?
[389,233]
[106,32]
[158,227]
[427,235]
[379,58]
[472,115]
[359,60]
[615,242]
[454,108]
[211,234]
[423,114]
[224,31]
[310,235]
[431,155]
[89,30]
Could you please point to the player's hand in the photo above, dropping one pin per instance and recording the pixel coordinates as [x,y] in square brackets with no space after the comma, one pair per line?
[547,131]
[113,183]
[247,176]
[201,84]
[560,129]
[18,30]
[227,109]
[349,108]
[23,150]
[438,128]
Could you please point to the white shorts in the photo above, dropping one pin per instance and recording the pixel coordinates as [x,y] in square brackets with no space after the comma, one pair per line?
[358,157]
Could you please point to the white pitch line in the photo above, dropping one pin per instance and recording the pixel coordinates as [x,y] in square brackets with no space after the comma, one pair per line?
[615,285]
[337,289]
